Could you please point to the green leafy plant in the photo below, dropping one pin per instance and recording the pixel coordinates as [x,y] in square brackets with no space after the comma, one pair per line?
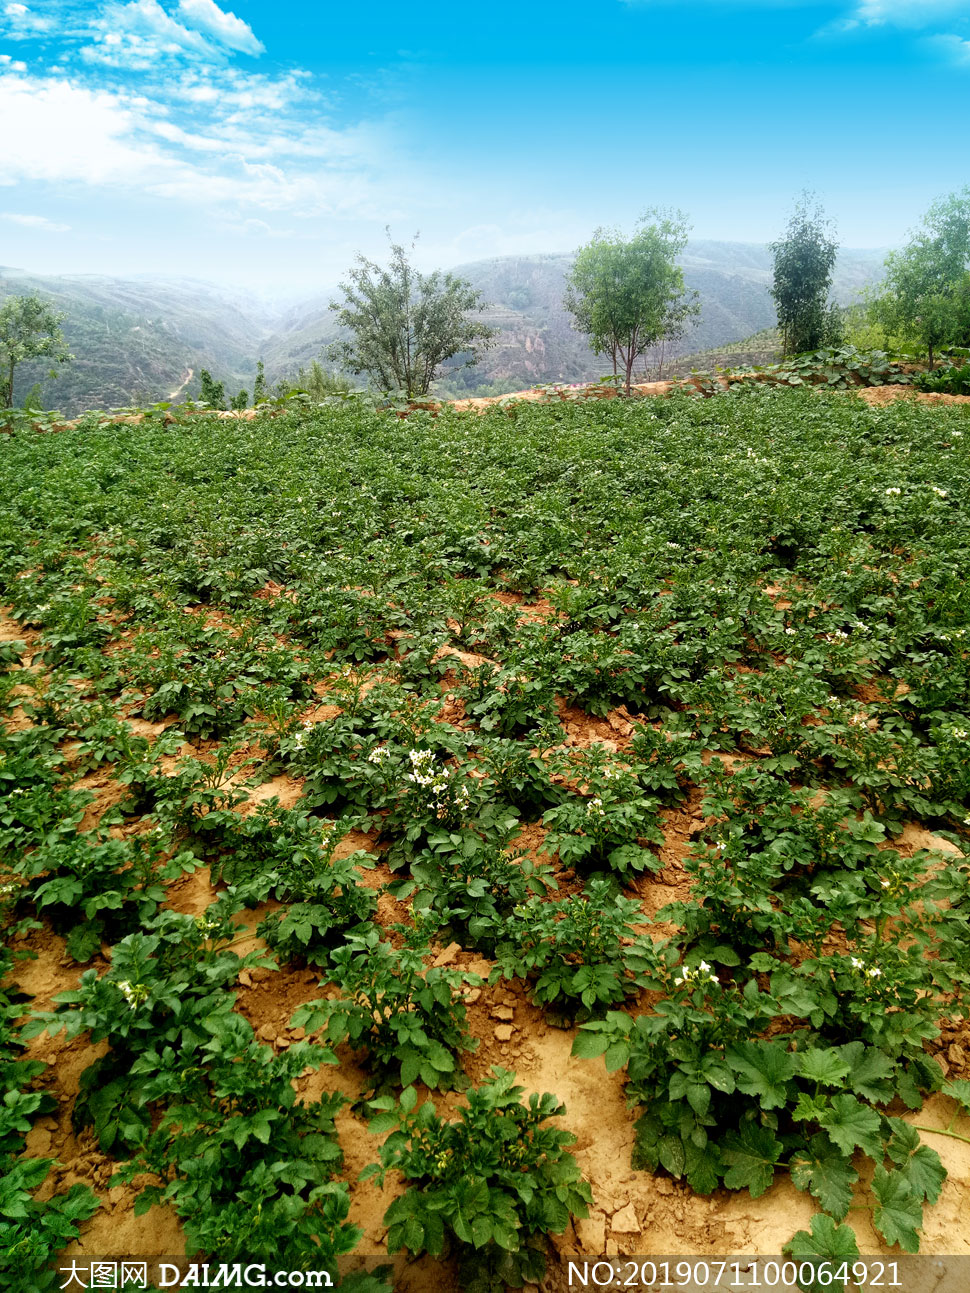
[408,1017]
[489,1185]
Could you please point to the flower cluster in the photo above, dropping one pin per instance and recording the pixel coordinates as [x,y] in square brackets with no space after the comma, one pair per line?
[379,754]
[443,794]
[595,807]
[301,736]
[871,971]
[699,976]
[133,993]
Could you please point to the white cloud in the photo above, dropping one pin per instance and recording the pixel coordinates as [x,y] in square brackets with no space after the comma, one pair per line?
[24,23]
[139,34]
[34,222]
[53,130]
[225,27]
[67,133]
[902,13]
[953,48]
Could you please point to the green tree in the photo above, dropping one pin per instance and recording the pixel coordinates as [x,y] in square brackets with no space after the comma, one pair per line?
[925,298]
[405,325]
[628,295]
[211,392]
[259,385]
[29,329]
[804,260]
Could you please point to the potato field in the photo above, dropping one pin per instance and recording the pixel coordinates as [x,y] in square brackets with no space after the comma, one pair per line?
[436,849]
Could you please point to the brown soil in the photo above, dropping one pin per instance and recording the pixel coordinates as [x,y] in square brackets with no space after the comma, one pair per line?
[886,394]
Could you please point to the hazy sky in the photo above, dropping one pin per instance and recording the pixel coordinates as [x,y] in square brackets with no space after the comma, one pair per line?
[265,143]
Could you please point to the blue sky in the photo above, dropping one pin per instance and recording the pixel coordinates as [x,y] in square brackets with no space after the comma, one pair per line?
[265,143]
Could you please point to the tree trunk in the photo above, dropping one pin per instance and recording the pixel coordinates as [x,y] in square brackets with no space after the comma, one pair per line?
[8,394]
[931,356]
[629,370]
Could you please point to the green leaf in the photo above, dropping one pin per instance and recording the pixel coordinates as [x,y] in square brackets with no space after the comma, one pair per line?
[763,1069]
[959,1090]
[919,1164]
[826,1172]
[850,1123]
[588,1046]
[825,1067]
[871,1072]
[898,1213]
[828,1241]
[752,1157]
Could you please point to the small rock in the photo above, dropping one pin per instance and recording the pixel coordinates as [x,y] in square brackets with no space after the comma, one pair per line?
[449,955]
[267,1032]
[282,1041]
[245,978]
[298,1034]
[663,1186]
[38,1142]
[625,1222]
[503,1033]
[505,1013]
[472,995]
[956,1055]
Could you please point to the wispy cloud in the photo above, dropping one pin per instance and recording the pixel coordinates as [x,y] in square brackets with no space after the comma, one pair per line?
[23,23]
[903,13]
[148,98]
[952,48]
[225,27]
[34,222]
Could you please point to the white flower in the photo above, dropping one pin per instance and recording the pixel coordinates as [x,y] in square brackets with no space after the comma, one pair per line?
[955,435]
[133,993]
[885,883]
[791,632]
[378,754]
[595,807]
[874,972]
[856,963]
[893,490]
[940,493]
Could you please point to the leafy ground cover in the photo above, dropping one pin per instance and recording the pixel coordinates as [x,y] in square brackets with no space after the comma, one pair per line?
[477,838]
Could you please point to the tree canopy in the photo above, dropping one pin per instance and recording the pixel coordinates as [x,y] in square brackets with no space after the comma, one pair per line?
[926,295]
[405,325]
[628,294]
[803,262]
[29,329]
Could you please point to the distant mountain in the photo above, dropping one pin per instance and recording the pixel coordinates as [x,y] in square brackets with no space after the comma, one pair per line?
[537,342]
[141,340]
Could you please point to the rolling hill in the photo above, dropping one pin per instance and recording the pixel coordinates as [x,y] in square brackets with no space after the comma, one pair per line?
[141,340]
